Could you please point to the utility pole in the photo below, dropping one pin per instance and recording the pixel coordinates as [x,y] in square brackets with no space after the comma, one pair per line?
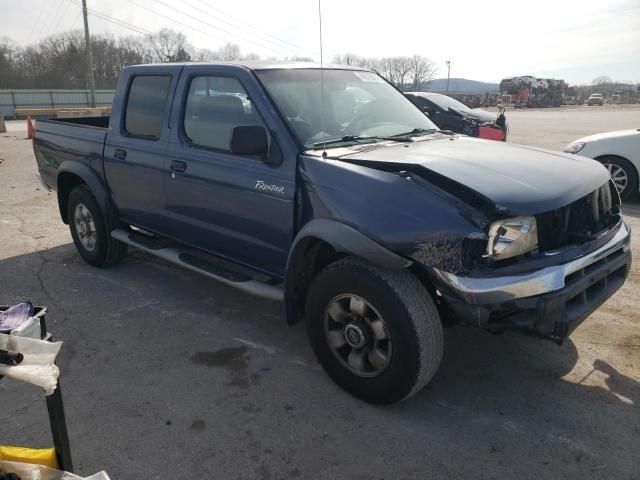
[87,41]
[448,73]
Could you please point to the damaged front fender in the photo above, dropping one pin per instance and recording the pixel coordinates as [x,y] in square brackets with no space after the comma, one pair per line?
[397,209]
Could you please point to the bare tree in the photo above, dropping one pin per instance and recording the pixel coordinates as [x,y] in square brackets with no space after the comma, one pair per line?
[404,72]
[8,55]
[386,69]
[58,60]
[348,59]
[206,55]
[423,69]
[354,60]
[602,79]
[229,51]
[401,67]
[168,46]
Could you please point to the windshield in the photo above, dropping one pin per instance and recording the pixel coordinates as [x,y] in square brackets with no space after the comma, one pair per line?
[446,103]
[358,106]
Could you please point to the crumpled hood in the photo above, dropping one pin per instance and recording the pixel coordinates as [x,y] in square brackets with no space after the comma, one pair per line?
[517,179]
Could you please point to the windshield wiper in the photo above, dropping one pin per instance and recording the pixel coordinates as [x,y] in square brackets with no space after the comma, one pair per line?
[356,138]
[415,131]
[346,138]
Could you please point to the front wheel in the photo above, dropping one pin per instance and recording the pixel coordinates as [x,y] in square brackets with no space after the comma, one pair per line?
[91,230]
[377,333]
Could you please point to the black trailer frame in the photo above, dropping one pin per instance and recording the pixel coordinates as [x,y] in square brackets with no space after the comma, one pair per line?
[55,405]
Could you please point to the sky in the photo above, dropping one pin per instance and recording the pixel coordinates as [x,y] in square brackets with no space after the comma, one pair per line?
[487,40]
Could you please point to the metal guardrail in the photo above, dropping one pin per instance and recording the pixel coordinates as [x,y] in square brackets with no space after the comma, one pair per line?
[13,99]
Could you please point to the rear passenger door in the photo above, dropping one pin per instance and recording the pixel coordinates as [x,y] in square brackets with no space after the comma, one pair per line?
[217,200]
[135,149]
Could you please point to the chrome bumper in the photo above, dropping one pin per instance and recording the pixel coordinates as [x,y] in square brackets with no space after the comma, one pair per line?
[489,290]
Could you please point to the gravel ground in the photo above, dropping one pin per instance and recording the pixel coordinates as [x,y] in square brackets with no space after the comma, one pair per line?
[142,405]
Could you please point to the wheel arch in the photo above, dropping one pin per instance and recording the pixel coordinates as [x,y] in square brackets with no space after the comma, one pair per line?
[321,242]
[70,175]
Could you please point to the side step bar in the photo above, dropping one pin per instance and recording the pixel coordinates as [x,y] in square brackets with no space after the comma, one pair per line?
[212,269]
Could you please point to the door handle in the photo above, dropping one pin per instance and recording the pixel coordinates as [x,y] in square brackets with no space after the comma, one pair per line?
[120,154]
[178,166]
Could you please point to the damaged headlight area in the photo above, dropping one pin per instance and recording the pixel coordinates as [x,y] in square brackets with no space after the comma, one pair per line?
[512,237]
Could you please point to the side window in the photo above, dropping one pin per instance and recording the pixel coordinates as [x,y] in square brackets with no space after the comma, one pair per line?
[146,104]
[214,106]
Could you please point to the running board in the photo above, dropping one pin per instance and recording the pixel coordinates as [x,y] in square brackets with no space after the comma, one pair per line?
[213,268]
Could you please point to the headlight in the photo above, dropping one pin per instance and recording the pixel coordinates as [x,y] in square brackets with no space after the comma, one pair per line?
[512,237]
[574,147]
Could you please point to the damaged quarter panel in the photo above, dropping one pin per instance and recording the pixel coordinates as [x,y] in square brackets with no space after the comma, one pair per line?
[394,208]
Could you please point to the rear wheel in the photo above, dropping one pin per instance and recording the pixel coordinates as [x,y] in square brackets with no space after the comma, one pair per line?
[91,230]
[376,332]
[623,174]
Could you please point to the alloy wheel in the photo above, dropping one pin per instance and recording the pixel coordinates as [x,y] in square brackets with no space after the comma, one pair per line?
[85,227]
[358,335]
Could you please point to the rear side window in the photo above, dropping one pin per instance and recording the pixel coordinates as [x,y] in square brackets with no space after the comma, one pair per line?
[145,106]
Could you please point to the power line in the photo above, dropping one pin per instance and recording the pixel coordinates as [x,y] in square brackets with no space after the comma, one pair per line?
[58,16]
[113,20]
[178,22]
[118,22]
[253,28]
[280,51]
[41,16]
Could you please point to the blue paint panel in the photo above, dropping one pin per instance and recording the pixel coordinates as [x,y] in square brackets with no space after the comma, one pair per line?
[214,204]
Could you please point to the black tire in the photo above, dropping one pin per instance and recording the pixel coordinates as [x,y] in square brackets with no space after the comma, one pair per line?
[409,313]
[106,251]
[629,170]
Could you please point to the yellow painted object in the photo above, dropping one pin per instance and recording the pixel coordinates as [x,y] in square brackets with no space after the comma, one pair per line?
[42,456]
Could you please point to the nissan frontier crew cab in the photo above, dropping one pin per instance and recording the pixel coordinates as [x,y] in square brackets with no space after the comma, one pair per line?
[329,190]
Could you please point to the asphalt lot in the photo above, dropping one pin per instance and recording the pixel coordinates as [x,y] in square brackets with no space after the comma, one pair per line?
[554,128]
[142,405]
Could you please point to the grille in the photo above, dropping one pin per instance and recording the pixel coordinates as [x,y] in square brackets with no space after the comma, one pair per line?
[579,221]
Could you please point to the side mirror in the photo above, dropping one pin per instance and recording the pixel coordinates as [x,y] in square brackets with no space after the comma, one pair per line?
[249,140]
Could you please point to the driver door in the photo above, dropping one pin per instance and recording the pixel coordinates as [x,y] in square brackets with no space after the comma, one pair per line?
[235,206]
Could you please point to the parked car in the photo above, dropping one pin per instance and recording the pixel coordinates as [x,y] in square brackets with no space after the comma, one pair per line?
[595,99]
[450,114]
[329,190]
[619,152]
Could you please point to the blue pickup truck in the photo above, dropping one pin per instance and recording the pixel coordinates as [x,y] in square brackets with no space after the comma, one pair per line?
[328,190]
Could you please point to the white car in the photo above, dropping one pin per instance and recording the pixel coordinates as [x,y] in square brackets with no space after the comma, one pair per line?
[618,151]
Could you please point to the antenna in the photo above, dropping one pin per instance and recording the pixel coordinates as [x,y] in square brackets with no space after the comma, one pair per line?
[324,136]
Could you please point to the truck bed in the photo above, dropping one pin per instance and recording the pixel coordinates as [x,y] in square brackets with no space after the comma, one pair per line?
[57,140]
[96,122]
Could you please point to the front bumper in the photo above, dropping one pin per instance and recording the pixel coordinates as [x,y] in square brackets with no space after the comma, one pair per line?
[550,302]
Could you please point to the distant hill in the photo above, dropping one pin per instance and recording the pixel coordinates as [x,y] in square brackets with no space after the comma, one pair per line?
[460,85]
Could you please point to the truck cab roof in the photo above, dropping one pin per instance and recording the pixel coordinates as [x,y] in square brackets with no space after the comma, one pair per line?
[249,65]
